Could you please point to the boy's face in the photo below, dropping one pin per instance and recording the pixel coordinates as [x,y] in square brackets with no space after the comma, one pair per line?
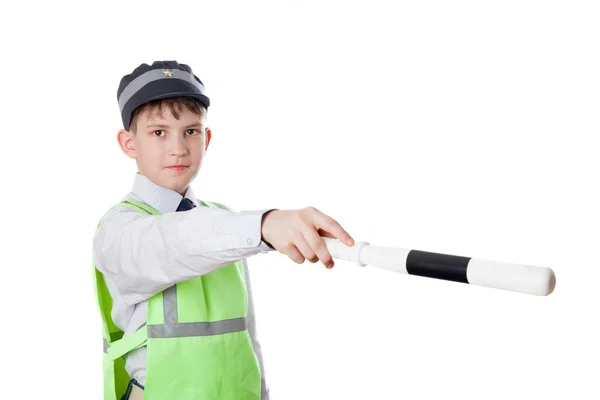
[161,142]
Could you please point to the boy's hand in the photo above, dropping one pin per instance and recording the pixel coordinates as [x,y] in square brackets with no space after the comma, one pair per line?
[297,234]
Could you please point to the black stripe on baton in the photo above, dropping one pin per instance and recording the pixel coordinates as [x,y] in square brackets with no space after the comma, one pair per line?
[439,266]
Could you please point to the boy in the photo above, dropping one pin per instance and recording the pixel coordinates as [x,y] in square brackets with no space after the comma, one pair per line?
[171,276]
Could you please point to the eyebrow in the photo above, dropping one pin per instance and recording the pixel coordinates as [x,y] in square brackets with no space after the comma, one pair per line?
[195,124]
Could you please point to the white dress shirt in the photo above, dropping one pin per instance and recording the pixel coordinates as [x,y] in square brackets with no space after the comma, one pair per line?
[141,255]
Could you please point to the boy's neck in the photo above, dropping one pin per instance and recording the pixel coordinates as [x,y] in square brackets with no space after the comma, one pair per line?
[180,193]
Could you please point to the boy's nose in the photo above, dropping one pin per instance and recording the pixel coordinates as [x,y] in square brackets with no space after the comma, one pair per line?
[177,146]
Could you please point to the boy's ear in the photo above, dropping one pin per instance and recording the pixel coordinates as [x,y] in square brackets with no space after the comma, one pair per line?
[208,136]
[127,143]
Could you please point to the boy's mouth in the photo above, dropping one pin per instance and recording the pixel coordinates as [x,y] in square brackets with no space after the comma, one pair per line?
[177,168]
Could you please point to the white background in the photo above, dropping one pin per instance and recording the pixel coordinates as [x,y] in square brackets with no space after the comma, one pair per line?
[464,127]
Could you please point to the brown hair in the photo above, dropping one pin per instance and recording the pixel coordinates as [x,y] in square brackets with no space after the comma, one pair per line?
[174,104]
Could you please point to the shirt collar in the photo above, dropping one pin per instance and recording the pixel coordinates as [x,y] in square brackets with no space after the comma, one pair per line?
[162,199]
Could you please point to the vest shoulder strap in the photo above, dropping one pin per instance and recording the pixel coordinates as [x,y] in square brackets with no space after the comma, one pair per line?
[214,205]
[140,207]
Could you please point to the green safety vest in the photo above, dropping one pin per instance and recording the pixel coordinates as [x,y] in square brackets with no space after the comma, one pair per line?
[198,345]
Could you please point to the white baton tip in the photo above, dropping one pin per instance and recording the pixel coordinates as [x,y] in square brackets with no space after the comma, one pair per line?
[515,277]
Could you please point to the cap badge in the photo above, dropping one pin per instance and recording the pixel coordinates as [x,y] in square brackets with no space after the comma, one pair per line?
[168,73]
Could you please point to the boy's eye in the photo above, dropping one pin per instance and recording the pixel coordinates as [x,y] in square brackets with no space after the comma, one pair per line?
[160,133]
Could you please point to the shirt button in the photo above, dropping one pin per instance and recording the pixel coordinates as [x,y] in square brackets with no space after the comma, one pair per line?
[249,241]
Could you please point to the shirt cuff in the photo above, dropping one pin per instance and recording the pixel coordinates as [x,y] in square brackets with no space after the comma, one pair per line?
[264,241]
[253,236]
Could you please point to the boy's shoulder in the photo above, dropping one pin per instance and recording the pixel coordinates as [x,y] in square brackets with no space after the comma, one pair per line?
[118,212]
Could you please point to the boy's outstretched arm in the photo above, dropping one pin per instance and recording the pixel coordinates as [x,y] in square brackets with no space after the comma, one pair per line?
[145,254]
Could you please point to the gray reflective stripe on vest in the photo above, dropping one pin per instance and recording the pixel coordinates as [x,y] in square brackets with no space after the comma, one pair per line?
[154,75]
[104,345]
[170,305]
[197,328]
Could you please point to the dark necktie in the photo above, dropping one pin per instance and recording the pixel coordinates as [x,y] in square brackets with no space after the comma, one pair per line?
[186,204]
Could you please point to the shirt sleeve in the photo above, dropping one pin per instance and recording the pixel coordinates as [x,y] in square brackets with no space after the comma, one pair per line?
[145,254]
